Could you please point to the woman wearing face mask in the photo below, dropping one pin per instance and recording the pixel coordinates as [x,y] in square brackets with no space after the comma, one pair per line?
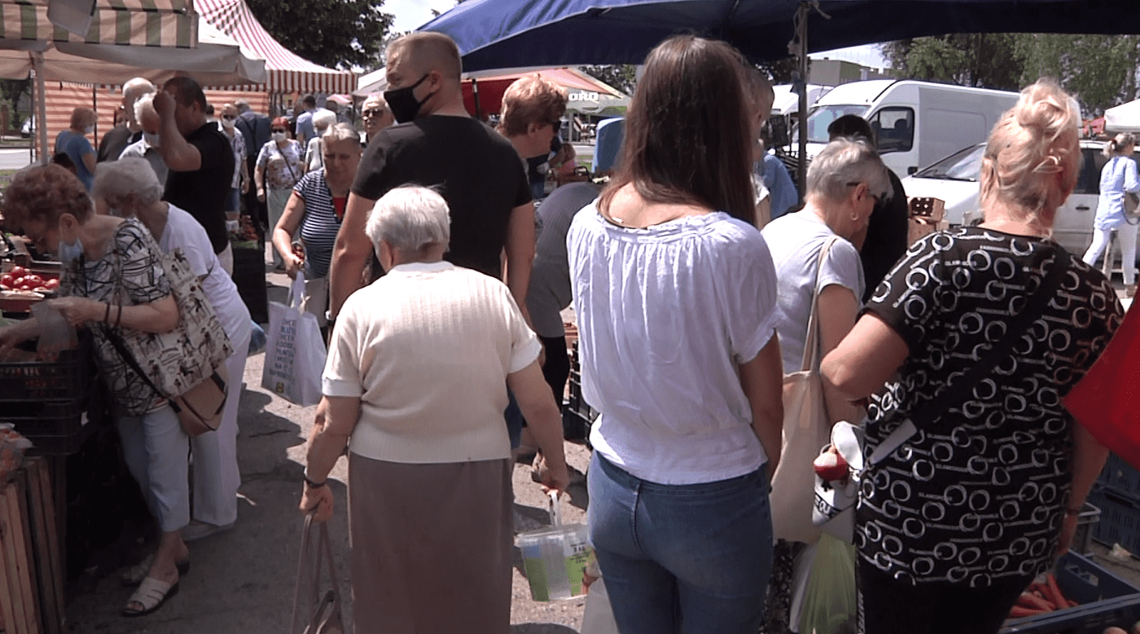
[278,170]
[73,142]
[314,155]
[113,285]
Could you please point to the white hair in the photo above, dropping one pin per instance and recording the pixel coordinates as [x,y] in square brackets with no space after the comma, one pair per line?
[341,132]
[138,86]
[324,119]
[410,218]
[118,179]
[143,105]
[844,162]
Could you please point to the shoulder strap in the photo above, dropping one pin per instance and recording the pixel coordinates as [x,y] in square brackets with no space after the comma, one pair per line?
[999,351]
[811,343]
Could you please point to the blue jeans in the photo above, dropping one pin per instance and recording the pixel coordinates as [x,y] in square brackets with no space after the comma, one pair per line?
[692,558]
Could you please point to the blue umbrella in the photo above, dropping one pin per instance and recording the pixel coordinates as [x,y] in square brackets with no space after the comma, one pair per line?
[507,33]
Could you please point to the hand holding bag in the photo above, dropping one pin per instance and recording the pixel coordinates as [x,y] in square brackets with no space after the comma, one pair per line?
[834,509]
[807,427]
[295,354]
[324,615]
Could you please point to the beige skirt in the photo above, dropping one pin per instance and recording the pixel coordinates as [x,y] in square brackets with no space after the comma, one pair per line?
[431,546]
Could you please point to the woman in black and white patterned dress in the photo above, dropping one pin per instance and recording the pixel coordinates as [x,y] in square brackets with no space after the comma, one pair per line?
[984,496]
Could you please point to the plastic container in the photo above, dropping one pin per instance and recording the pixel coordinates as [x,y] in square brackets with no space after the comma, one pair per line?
[1119,518]
[1087,520]
[1105,600]
[554,558]
[1119,476]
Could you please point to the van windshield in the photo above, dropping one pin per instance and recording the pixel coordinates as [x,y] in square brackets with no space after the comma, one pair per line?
[963,165]
[822,116]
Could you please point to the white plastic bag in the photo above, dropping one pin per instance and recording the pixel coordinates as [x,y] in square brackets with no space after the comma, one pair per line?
[295,351]
[599,616]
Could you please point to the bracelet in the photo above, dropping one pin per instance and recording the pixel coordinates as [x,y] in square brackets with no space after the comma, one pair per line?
[119,317]
[310,483]
[107,314]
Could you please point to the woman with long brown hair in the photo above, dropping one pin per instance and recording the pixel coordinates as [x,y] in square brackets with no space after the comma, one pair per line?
[675,292]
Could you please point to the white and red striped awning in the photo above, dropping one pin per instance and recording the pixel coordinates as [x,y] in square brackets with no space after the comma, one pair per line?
[286,72]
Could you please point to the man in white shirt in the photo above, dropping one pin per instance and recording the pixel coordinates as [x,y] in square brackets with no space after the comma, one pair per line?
[147,146]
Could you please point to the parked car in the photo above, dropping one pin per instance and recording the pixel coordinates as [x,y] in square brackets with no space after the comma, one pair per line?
[954,180]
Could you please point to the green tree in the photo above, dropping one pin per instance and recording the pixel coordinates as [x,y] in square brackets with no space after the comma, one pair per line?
[334,33]
[1100,70]
[12,90]
[620,76]
[990,60]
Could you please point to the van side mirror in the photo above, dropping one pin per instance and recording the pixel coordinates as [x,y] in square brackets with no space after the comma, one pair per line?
[911,170]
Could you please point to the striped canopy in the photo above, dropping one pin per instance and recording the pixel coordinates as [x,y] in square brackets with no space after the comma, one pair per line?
[166,23]
[286,72]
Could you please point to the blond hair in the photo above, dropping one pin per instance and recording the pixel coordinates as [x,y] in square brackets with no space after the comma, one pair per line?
[1033,155]
[531,99]
[1118,144]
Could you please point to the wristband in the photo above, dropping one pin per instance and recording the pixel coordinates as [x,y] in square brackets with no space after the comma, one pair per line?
[119,317]
[107,314]
[310,483]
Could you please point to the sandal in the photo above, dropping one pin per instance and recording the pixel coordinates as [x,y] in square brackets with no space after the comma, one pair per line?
[151,594]
[136,573]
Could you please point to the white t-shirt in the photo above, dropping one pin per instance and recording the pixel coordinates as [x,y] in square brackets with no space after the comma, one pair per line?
[796,241]
[427,349]
[665,315]
[184,232]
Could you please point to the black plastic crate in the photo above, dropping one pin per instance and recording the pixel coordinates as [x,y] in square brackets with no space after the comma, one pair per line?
[1105,600]
[1087,520]
[1120,476]
[64,378]
[1119,518]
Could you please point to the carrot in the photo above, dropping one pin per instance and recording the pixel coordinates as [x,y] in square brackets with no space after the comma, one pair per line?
[1054,593]
[1027,600]
[1018,612]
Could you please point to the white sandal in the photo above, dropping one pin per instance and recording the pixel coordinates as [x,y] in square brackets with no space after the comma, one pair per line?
[151,594]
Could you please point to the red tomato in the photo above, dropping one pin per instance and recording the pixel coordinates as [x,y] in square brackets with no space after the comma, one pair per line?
[26,287]
[4,287]
[52,284]
[17,280]
[7,279]
[32,278]
[18,271]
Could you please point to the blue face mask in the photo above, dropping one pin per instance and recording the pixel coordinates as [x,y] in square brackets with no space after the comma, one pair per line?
[69,253]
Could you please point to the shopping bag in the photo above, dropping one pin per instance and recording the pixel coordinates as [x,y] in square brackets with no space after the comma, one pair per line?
[598,617]
[323,615]
[830,604]
[1105,401]
[295,351]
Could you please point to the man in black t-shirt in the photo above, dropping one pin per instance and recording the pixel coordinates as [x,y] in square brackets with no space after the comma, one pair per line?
[200,159]
[437,144]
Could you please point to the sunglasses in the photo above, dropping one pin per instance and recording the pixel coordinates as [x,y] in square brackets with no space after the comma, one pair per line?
[278,130]
[373,113]
[229,117]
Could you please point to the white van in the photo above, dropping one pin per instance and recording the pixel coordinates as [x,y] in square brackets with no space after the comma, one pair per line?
[915,123]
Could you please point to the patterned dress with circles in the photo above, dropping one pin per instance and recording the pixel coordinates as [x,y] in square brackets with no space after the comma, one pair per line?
[978,494]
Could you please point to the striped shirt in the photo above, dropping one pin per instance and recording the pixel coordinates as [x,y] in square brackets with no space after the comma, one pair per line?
[319,225]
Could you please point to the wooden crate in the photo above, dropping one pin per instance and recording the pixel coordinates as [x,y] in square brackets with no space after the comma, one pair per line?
[31,562]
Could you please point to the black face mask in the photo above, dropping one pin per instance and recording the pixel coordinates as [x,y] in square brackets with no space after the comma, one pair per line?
[403,102]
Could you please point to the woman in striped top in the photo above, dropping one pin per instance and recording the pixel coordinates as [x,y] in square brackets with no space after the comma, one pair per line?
[317,207]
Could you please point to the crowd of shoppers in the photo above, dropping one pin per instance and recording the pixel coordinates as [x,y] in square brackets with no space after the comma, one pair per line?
[694,278]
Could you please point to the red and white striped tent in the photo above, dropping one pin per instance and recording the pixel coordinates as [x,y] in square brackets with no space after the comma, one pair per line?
[286,72]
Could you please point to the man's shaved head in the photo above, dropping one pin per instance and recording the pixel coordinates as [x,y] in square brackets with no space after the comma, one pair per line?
[428,51]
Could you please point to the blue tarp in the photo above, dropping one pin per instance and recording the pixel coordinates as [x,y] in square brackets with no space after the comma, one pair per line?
[507,33]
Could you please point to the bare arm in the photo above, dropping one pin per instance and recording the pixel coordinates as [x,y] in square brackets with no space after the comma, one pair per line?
[244,176]
[837,311]
[351,252]
[336,419]
[763,381]
[157,316]
[520,254]
[89,162]
[536,402]
[283,233]
[865,359]
[178,155]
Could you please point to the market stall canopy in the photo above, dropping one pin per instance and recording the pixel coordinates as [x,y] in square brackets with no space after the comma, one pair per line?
[1123,118]
[217,61]
[150,23]
[499,33]
[286,72]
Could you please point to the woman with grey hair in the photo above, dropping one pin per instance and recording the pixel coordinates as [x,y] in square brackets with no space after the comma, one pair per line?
[1118,179]
[815,258]
[417,377]
[314,155]
[131,186]
[316,208]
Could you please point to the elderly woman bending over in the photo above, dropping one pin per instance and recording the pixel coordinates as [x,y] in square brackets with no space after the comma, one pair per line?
[417,376]
[985,493]
[114,286]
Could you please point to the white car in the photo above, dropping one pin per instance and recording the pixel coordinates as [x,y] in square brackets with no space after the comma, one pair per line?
[954,180]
